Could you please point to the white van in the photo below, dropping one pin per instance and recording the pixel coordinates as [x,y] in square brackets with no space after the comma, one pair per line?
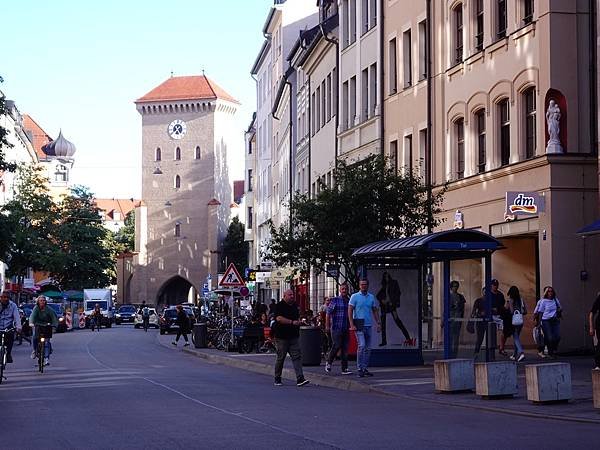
[102,297]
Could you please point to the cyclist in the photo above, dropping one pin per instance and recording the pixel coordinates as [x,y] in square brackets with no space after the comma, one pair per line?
[97,316]
[145,312]
[42,316]
[9,318]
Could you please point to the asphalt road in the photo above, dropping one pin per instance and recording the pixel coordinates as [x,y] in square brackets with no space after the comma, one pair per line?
[121,389]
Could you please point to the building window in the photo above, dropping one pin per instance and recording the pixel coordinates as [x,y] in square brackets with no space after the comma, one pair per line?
[250,180]
[457,14]
[345,23]
[313,113]
[422,50]
[198,154]
[177,182]
[373,89]
[501,19]
[394,156]
[459,131]
[527,11]
[328,106]
[422,151]
[480,130]
[352,96]
[249,218]
[157,154]
[318,109]
[345,106]
[352,21]
[61,174]
[365,16]
[177,230]
[393,71]
[177,154]
[407,160]
[503,114]
[365,94]
[407,57]
[323,104]
[334,93]
[373,13]
[478,25]
[530,113]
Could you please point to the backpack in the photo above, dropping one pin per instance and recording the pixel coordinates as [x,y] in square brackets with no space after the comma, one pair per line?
[145,312]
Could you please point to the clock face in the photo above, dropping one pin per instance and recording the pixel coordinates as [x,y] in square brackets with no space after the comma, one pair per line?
[177,129]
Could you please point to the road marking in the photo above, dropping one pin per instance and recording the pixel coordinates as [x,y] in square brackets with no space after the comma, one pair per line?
[405,382]
[59,386]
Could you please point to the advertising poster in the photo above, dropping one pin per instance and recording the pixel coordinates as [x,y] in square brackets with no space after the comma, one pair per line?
[397,293]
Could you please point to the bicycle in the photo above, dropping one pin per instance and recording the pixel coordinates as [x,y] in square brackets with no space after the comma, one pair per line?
[44,335]
[4,351]
[146,321]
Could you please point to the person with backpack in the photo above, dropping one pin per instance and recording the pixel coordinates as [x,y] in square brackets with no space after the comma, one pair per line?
[517,309]
[548,312]
[145,312]
[183,321]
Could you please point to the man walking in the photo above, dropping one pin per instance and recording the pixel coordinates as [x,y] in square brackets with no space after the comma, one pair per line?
[287,334]
[362,312]
[9,318]
[338,325]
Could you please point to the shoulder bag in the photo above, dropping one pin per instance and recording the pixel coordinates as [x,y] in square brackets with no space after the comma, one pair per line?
[517,318]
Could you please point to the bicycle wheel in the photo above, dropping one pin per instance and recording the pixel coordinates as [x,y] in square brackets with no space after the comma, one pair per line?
[2,362]
[41,356]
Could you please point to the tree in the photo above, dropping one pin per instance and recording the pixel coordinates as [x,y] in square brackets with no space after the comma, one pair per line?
[125,237]
[369,202]
[235,248]
[10,167]
[29,223]
[84,259]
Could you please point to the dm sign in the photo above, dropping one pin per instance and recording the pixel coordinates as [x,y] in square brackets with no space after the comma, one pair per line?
[524,203]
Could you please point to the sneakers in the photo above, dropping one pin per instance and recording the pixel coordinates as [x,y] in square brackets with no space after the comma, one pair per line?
[360,373]
[512,357]
[367,373]
[187,344]
[542,355]
[327,367]
[46,362]
[521,357]
[302,382]
[278,382]
[33,354]
[346,372]
[174,343]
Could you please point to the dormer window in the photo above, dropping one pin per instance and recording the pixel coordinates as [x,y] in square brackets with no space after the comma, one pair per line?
[61,174]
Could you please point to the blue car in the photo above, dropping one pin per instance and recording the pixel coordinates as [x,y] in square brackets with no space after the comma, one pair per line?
[125,314]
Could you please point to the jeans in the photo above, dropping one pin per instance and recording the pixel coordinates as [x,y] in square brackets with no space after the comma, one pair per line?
[340,340]
[363,354]
[291,346]
[551,329]
[180,333]
[517,339]
[47,346]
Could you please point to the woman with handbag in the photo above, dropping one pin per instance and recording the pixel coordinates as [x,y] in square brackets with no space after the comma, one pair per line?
[548,312]
[517,309]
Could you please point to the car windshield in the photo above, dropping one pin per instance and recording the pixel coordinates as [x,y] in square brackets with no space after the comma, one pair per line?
[56,307]
[127,309]
[170,313]
[91,306]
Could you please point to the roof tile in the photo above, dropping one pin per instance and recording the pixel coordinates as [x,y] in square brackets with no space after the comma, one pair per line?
[186,88]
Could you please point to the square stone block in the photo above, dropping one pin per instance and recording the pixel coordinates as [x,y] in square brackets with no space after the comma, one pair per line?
[454,375]
[496,379]
[596,387]
[548,382]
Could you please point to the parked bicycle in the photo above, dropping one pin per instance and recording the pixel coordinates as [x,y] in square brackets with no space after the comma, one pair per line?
[4,351]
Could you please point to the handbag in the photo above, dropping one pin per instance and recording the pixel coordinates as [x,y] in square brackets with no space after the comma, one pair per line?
[517,318]
[538,335]
[558,314]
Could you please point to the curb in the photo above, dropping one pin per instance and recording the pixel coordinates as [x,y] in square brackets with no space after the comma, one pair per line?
[356,386]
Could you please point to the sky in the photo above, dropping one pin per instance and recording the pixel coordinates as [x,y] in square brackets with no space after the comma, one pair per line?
[79,65]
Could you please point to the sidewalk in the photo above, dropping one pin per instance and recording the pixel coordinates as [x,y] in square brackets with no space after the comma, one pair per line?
[417,383]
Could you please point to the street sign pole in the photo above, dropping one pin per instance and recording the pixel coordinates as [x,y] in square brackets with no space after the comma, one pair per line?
[232,306]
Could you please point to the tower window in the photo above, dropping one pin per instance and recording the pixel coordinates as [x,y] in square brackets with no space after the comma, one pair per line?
[197,154]
[177,181]
[158,154]
[177,154]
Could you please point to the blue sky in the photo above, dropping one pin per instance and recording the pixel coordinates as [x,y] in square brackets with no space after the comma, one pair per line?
[79,65]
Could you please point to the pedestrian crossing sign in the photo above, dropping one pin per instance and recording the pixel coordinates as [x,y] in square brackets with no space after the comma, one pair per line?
[232,278]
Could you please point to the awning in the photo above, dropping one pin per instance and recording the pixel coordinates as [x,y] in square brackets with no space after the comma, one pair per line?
[592,228]
[440,246]
[52,294]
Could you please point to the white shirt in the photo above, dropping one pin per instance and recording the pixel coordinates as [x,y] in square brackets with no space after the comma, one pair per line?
[547,307]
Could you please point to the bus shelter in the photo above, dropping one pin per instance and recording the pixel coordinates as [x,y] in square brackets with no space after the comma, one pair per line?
[397,269]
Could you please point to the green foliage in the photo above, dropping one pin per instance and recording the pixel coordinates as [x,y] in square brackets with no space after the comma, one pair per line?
[9,167]
[235,248]
[84,259]
[125,237]
[369,202]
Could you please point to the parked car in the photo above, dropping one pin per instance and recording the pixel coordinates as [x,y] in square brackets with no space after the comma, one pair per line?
[139,322]
[126,313]
[60,314]
[169,316]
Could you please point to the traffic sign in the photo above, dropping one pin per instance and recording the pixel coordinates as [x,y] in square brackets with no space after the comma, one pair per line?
[232,278]
[244,291]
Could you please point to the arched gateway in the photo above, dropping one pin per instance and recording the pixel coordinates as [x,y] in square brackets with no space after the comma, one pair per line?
[175,290]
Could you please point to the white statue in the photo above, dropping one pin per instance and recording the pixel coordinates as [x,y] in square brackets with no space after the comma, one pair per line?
[553,119]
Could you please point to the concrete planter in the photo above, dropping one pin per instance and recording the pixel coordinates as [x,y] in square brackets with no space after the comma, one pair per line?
[496,379]
[596,387]
[548,382]
[454,375]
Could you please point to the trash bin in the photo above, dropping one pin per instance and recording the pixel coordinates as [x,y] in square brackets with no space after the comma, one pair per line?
[310,346]
[199,335]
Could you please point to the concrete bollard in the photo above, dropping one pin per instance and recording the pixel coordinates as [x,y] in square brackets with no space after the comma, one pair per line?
[548,382]
[596,387]
[496,379]
[454,375]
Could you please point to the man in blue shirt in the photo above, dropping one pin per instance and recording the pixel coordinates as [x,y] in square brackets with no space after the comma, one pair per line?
[9,318]
[337,323]
[362,312]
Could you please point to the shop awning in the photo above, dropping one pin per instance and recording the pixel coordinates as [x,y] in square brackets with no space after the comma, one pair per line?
[52,294]
[439,246]
[592,228]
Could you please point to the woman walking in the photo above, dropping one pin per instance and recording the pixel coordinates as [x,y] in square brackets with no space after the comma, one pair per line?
[548,312]
[516,307]
[184,326]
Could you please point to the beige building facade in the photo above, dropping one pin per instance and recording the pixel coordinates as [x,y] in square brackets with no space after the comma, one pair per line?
[498,68]
[186,192]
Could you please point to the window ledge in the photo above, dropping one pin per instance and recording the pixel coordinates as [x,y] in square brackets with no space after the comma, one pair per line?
[453,70]
[499,44]
[524,30]
[474,57]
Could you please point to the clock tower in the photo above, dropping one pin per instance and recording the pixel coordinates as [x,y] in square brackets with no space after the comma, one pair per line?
[186,131]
